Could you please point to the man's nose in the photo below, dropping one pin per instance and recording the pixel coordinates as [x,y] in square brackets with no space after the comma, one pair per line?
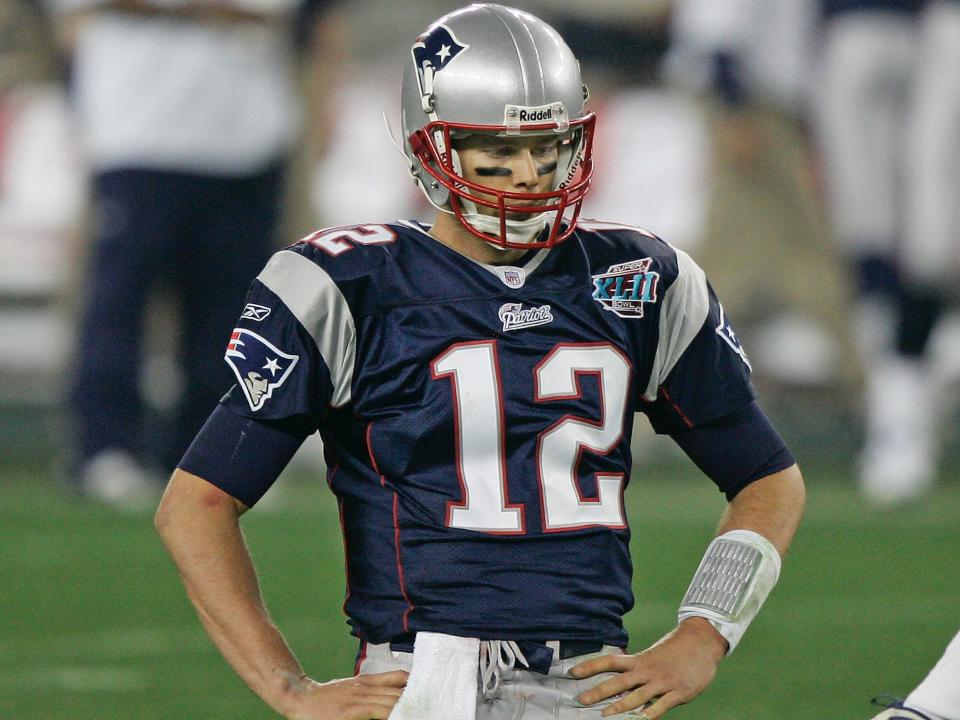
[525,171]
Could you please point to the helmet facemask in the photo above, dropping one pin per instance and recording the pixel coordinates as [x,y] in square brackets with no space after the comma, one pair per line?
[519,218]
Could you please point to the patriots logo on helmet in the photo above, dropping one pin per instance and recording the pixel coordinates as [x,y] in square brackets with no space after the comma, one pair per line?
[259,366]
[435,50]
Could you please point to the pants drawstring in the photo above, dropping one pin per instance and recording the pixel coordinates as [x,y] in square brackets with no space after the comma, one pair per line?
[495,657]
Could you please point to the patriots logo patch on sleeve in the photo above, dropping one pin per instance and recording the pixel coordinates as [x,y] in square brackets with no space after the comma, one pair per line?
[725,331]
[259,366]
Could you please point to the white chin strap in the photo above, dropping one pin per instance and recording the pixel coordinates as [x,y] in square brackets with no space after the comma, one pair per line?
[518,231]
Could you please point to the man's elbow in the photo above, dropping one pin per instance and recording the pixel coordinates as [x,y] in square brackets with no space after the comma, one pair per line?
[190,502]
[789,495]
[180,500]
[785,489]
[794,479]
[164,520]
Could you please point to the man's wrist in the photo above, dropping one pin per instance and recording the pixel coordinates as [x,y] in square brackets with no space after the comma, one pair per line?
[287,691]
[708,635]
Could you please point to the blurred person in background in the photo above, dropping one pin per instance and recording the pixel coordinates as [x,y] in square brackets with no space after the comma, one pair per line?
[888,130]
[866,63]
[187,110]
[906,397]
[866,57]
[766,245]
[41,201]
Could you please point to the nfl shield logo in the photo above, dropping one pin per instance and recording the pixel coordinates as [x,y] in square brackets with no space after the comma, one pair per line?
[260,367]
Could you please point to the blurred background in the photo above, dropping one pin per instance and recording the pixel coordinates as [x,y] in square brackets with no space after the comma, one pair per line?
[784,143]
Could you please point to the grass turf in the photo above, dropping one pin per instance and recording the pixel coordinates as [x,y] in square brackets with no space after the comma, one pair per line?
[94,623]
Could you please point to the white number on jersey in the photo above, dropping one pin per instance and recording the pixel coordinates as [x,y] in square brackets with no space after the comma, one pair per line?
[478,416]
[560,446]
[479,424]
[334,241]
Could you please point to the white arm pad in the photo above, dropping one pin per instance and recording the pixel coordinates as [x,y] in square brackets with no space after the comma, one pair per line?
[736,574]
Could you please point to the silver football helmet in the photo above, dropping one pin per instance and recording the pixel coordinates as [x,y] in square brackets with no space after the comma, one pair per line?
[494,69]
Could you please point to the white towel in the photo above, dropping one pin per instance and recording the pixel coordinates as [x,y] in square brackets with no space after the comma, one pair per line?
[443,680]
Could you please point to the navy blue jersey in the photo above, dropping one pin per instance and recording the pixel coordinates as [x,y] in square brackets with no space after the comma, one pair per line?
[477,419]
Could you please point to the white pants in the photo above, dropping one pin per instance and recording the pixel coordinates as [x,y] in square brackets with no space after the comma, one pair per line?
[931,251]
[522,694]
[862,104]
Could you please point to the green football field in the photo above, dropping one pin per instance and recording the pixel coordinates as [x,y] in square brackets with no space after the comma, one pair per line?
[94,624]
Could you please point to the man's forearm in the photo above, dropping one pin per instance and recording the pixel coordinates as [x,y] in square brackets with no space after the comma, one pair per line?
[199,526]
[772,506]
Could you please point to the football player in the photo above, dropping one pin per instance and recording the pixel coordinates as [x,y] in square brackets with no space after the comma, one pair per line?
[475,381]
[889,150]
[905,399]
[863,88]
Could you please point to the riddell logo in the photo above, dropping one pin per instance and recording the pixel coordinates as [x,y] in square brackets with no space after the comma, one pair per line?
[516,116]
[536,115]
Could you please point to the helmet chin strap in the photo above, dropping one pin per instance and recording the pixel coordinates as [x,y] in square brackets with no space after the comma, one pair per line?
[518,231]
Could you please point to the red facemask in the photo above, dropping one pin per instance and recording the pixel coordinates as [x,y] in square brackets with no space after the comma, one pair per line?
[432,146]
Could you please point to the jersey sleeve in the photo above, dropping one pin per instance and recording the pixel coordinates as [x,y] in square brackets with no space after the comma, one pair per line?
[292,349]
[736,449]
[700,371]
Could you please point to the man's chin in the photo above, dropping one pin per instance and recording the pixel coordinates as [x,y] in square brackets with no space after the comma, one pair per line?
[522,215]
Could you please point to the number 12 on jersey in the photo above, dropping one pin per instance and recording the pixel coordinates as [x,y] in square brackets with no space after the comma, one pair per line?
[474,372]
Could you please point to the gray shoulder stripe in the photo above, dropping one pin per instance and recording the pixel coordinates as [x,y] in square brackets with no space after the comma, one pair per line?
[316,301]
[685,307]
